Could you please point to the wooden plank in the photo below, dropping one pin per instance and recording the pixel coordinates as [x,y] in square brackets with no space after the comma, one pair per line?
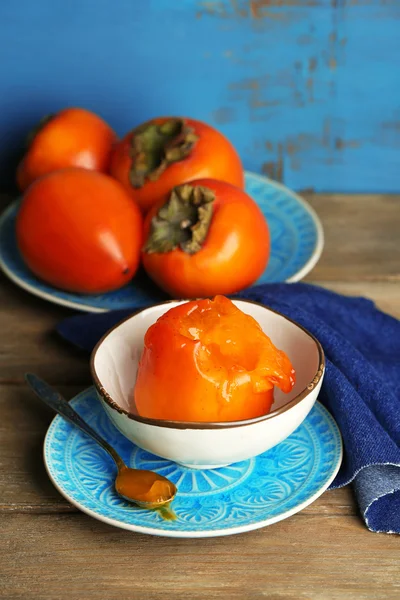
[29,342]
[64,557]
[361,237]
[24,484]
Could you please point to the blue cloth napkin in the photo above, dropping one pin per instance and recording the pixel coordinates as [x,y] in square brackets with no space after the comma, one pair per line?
[361,387]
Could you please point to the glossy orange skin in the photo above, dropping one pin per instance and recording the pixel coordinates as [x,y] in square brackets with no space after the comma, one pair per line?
[213,156]
[234,254]
[207,361]
[73,138]
[80,231]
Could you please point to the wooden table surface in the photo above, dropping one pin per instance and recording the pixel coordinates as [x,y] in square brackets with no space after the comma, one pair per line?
[51,551]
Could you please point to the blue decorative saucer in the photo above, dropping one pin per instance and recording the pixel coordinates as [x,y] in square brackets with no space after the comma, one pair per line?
[296,245]
[237,498]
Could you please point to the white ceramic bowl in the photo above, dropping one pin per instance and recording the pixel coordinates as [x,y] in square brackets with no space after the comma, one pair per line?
[114,365]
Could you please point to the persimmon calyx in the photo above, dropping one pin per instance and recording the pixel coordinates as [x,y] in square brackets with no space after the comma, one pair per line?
[155,146]
[183,221]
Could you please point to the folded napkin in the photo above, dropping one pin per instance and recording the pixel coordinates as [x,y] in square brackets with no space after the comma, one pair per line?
[361,387]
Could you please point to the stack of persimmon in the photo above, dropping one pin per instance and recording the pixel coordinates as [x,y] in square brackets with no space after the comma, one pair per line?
[168,195]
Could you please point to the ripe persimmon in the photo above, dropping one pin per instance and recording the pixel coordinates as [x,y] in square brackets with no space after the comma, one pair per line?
[74,137]
[206,237]
[79,230]
[165,152]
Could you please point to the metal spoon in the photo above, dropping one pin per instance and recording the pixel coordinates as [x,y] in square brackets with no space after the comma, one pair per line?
[145,488]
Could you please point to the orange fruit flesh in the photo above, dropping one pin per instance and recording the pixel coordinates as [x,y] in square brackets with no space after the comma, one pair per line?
[207,361]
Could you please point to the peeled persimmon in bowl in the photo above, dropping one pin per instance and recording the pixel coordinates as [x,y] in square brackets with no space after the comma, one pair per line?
[207,361]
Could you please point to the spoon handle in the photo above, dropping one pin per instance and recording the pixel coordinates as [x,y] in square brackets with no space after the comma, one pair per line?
[54,399]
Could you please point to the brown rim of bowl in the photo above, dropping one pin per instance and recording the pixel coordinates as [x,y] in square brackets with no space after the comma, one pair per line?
[203,425]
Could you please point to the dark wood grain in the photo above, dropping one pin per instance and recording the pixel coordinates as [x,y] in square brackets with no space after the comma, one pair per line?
[24,484]
[29,341]
[59,557]
[362,235]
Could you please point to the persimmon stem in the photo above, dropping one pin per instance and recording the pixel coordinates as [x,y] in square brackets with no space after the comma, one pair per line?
[183,221]
[156,146]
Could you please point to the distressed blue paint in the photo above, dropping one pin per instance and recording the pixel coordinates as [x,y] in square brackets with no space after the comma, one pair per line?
[312,89]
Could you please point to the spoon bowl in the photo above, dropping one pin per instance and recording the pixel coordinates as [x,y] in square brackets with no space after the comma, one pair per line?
[149,490]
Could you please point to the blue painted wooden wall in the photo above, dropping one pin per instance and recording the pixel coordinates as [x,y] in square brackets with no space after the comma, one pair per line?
[308,90]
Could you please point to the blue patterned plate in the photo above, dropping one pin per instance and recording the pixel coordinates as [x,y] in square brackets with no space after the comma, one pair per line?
[296,245]
[244,496]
